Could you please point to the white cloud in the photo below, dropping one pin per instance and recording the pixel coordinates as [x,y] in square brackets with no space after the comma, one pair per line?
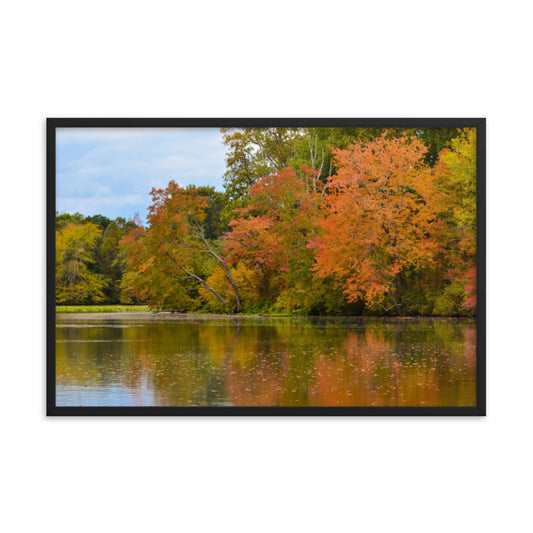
[103,205]
[103,168]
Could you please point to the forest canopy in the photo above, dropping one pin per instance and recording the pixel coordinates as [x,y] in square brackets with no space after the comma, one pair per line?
[312,221]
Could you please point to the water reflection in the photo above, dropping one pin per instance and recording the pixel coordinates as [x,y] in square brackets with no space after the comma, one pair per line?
[148,359]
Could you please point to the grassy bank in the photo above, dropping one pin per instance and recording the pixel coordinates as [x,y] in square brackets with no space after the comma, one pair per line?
[99,308]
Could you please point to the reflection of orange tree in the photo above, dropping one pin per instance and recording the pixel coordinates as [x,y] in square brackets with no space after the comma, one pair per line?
[376,371]
[351,373]
[376,365]
[263,386]
[470,348]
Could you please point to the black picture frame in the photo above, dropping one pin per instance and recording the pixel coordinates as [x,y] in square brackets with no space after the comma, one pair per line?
[479,123]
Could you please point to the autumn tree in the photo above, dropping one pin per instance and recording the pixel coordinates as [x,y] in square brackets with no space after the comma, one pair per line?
[461,161]
[253,243]
[315,146]
[171,256]
[271,234]
[313,221]
[379,219]
[75,282]
[455,173]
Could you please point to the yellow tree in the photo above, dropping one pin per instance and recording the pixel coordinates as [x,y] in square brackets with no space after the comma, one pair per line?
[75,283]
[456,175]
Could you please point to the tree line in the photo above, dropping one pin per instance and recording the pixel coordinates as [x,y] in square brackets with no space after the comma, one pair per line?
[317,221]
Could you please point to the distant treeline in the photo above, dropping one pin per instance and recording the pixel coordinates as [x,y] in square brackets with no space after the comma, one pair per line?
[90,263]
[318,221]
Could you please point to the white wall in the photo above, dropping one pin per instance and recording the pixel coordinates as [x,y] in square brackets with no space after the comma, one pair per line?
[361,59]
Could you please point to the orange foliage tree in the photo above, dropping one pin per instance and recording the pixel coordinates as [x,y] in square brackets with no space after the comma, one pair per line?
[271,234]
[167,256]
[379,219]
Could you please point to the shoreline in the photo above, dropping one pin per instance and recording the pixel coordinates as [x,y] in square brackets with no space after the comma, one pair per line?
[167,316]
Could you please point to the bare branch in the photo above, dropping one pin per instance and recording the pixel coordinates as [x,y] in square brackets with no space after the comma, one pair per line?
[199,232]
[191,275]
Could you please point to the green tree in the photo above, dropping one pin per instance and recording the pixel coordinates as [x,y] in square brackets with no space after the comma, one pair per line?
[66,218]
[252,153]
[436,140]
[111,263]
[314,147]
[213,223]
[100,220]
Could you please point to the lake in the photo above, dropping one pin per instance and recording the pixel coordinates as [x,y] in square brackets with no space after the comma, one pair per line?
[163,359]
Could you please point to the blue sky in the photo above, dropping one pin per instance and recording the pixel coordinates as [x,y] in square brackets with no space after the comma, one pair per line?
[110,171]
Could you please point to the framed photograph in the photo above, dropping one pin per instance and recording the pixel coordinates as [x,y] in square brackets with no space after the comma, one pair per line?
[266,266]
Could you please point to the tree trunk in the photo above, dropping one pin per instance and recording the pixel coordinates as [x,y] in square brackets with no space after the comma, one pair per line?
[222,263]
[190,275]
[394,295]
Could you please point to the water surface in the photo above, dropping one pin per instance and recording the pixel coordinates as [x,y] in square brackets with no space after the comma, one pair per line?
[147,359]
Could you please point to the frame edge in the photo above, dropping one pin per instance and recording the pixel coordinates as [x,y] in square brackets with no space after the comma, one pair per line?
[53,123]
